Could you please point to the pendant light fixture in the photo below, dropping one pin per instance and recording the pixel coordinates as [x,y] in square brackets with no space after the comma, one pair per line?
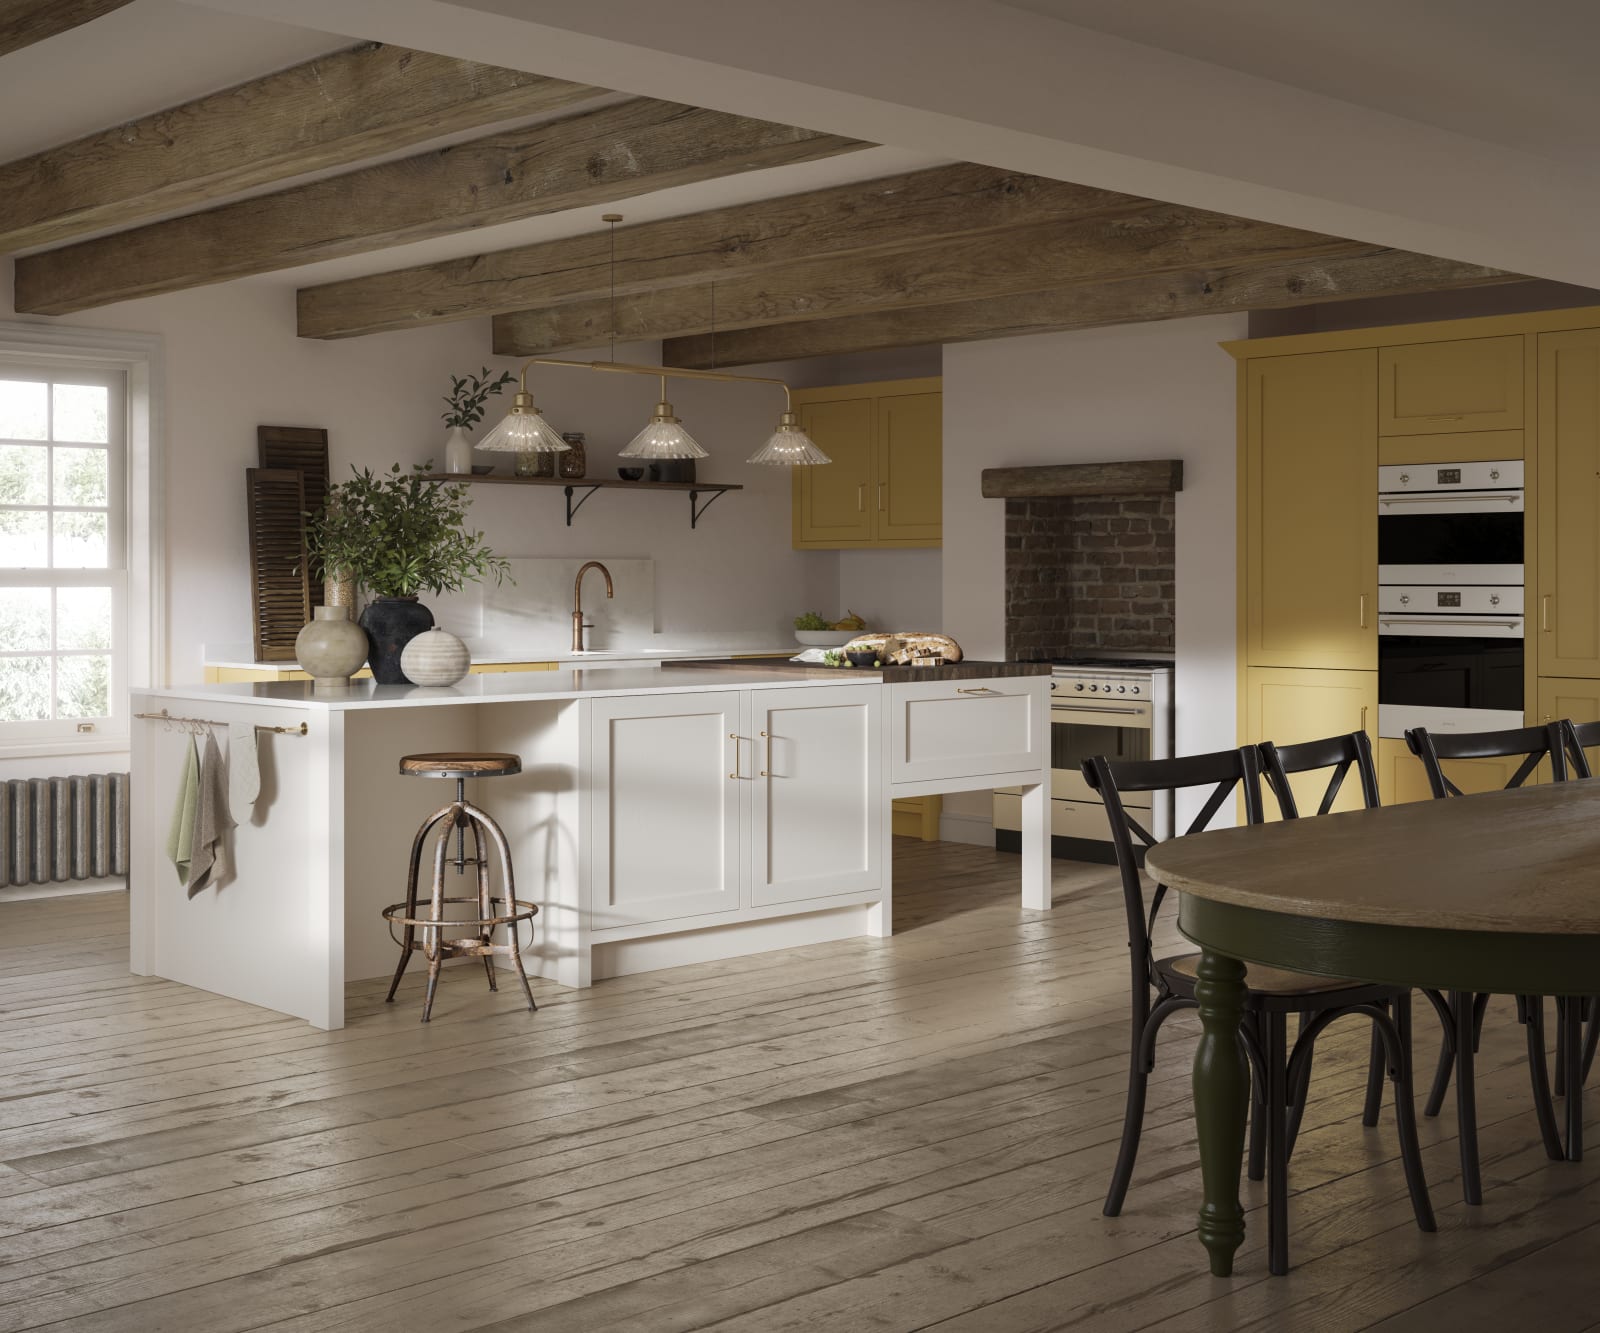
[524,429]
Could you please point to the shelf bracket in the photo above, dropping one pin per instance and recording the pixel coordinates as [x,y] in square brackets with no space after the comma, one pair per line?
[695,511]
[573,508]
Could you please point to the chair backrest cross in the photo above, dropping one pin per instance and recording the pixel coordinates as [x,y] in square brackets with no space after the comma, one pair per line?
[1534,744]
[1581,736]
[1340,753]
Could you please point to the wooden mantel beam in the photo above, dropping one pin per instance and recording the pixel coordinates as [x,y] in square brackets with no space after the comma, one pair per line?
[24,22]
[1154,239]
[1371,271]
[892,213]
[333,111]
[597,157]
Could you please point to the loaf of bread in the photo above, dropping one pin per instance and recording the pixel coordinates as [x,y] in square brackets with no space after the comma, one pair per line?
[905,648]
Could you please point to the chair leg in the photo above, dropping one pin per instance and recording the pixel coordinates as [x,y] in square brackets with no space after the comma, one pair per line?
[1573,1045]
[1375,1073]
[1592,1036]
[436,912]
[1132,1125]
[400,971]
[485,905]
[1531,1009]
[516,959]
[1406,1118]
[1277,1108]
[1441,1073]
[1256,1166]
[1560,1085]
[1300,1090]
[1461,1005]
[1480,1006]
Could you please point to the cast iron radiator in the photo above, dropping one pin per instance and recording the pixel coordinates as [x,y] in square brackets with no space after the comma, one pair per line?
[63,828]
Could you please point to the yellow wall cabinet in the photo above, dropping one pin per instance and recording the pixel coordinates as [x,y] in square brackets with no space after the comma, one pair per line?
[1564,619]
[1466,384]
[884,487]
[1309,511]
[1287,706]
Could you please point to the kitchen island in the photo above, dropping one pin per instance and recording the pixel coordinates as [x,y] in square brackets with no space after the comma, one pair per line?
[662,816]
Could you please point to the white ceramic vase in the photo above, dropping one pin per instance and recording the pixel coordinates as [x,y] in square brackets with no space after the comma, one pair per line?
[458,451]
[435,657]
[331,645]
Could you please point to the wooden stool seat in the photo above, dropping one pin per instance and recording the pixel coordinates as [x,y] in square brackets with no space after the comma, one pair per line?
[460,764]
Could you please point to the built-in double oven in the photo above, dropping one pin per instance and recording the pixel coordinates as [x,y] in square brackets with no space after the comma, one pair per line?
[1450,597]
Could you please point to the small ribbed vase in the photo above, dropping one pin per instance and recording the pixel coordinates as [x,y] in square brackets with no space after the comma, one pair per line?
[435,657]
[331,645]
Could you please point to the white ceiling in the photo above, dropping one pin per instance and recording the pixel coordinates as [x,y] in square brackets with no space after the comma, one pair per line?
[1517,72]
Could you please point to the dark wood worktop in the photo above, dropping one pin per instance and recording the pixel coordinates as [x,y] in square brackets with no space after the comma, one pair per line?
[890,674]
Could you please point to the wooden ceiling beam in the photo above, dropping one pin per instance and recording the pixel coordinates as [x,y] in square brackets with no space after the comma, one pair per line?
[1371,271]
[597,157]
[330,112]
[892,213]
[24,22]
[1154,239]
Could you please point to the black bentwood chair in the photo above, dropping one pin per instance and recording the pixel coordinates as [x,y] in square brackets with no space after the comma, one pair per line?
[1534,745]
[1581,737]
[1272,993]
[1341,754]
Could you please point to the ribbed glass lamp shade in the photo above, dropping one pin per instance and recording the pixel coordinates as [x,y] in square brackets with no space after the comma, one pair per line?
[789,446]
[664,437]
[523,430]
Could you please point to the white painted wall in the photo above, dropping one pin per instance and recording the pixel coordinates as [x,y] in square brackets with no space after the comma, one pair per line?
[1162,390]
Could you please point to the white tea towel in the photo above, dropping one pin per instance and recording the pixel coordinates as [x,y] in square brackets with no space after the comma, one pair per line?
[180,834]
[208,861]
[244,771]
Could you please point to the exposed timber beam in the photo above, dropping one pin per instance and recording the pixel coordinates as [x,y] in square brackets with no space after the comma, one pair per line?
[1156,238]
[892,213]
[1272,286]
[330,112]
[24,22]
[596,157]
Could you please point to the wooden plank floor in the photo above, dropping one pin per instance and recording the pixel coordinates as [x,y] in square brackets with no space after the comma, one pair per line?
[874,1134]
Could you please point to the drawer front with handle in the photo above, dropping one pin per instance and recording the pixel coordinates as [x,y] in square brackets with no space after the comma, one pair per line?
[958,729]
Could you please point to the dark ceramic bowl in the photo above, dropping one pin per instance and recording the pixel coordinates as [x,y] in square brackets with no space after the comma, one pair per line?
[863,659]
[630,473]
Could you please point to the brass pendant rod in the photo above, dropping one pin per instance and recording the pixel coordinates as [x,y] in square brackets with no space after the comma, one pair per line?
[665,372]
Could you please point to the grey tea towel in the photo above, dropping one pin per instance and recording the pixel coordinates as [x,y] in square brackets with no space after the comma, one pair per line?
[209,862]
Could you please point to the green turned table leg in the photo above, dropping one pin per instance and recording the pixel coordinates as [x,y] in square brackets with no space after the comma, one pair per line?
[1221,1102]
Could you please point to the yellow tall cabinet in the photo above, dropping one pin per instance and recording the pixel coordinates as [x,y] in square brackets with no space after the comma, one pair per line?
[885,485]
[1567,606]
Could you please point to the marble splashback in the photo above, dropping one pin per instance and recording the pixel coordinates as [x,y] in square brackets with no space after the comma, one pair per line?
[536,610]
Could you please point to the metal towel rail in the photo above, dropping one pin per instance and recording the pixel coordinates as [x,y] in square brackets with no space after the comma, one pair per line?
[164,716]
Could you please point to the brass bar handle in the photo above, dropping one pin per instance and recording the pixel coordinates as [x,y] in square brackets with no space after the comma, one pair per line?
[1363,725]
[881,505]
[861,497]
[768,745]
[734,737]
[975,689]
[1363,611]
[1544,613]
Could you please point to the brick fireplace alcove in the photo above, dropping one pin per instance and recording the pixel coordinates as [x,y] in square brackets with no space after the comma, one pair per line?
[1090,556]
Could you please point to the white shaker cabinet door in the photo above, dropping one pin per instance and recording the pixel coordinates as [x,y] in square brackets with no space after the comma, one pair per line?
[667,838]
[817,823]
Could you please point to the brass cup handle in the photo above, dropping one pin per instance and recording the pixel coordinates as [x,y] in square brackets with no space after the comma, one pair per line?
[1363,725]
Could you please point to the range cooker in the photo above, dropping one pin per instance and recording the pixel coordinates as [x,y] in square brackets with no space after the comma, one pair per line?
[1107,704]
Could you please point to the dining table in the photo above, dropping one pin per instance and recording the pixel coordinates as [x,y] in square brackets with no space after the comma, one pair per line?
[1494,893]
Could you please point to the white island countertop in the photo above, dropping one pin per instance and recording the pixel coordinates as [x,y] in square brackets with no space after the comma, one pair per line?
[516,687]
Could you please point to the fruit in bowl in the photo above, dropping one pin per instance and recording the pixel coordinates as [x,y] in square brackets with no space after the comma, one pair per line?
[813,630]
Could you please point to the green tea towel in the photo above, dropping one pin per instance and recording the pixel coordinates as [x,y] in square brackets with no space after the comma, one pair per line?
[209,862]
[180,837]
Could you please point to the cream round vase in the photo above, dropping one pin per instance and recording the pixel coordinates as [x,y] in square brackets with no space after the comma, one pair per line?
[435,657]
[331,645]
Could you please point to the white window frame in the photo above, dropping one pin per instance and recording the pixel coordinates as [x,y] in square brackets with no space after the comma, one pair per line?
[141,619]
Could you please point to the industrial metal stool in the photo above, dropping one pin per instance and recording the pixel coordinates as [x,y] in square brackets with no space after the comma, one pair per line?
[460,815]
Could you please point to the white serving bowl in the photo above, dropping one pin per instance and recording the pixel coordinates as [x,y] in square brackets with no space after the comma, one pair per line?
[824,638]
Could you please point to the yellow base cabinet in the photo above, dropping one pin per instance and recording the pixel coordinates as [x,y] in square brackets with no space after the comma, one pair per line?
[1308,511]
[1289,705]
[917,817]
[1401,777]
[1575,700]
[885,485]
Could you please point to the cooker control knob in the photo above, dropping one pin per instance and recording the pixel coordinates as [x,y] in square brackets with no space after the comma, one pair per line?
[1078,686]
[1494,599]
[1093,688]
[1405,478]
[1495,475]
[1122,689]
[1052,685]
[1405,599]
[1135,689]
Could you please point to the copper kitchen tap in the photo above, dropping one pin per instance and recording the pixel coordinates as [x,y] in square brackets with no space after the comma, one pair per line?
[577,602]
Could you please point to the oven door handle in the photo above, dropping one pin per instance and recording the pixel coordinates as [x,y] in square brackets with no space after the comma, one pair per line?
[1135,711]
[1482,622]
[1452,497]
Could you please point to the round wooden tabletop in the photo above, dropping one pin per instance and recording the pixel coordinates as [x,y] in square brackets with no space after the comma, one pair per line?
[1525,861]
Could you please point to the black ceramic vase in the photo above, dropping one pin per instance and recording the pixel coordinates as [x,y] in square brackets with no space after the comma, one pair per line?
[391,623]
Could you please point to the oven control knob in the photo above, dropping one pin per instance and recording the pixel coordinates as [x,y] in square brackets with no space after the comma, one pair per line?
[1495,475]
[1405,477]
[1405,599]
[1122,689]
[1078,686]
[1135,689]
[1093,688]
[1494,599]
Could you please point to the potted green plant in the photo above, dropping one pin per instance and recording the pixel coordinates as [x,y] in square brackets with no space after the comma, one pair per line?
[466,401]
[400,535]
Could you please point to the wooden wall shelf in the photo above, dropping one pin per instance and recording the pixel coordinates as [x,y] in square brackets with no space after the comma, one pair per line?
[589,485]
